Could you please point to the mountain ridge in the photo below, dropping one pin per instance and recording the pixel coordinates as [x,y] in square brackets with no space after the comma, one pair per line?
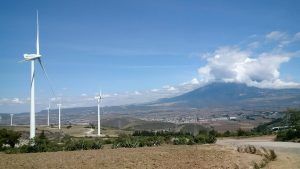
[229,94]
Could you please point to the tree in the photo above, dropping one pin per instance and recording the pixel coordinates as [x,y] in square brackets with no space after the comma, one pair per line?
[293,117]
[227,133]
[9,137]
[241,132]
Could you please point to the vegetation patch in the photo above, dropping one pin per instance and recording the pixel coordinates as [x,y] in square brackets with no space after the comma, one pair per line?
[42,143]
[267,154]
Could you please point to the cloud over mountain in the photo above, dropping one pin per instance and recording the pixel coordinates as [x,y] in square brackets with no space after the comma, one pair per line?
[233,64]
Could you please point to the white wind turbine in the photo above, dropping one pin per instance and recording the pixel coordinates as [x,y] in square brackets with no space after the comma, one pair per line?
[59,106]
[99,100]
[11,119]
[32,58]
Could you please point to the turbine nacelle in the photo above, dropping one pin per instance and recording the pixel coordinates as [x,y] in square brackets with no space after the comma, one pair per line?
[99,97]
[28,57]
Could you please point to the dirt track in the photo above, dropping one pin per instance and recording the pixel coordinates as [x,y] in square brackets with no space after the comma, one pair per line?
[267,142]
[288,152]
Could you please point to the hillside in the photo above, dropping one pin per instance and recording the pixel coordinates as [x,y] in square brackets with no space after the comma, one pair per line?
[234,94]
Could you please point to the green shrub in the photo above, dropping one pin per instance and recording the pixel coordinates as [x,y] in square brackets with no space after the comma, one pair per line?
[200,139]
[9,137]
[226,134]
[83,144]
[12,150]
[287,135]
[211,139]
[127,143]
[180,141]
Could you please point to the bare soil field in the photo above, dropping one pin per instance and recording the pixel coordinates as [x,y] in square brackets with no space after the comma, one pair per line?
[167,156]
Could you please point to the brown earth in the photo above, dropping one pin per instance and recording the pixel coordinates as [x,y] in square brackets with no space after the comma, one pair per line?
[167,156]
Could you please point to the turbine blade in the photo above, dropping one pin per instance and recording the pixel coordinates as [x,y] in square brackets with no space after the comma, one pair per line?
[21,61]
[46,75]
[101,97]
[37,34]
[32,79]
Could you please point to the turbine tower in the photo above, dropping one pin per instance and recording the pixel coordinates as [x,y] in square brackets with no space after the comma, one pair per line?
[99,100]
[48,122]
[32,58]
[59,105]
[11,119]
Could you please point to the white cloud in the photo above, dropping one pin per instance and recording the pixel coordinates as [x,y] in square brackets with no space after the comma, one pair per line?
[189,85]
[171,88]
[254,45]
[154,90]
[53,99]
[106,95]
[282,38]
[194,81]
[231,64]
[137,93]
[13,101]
[276,36]
[297,36]
[83,94]
[17,101]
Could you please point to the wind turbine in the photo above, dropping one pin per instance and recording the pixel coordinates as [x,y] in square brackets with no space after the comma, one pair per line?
[99,100]
[11,119]
[32,58]
[59,106]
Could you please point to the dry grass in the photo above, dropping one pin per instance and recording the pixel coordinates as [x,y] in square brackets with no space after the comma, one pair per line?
[198,156]
[267,154]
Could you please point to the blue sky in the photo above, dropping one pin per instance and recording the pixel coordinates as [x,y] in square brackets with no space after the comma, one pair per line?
[135,47]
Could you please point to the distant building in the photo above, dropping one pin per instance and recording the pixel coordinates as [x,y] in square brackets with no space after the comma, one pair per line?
[232,118]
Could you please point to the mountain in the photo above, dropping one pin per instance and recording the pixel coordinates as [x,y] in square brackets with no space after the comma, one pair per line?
[235,94]
[208,100]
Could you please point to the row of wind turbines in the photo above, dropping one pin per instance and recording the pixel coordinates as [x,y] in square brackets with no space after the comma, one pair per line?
[32,58]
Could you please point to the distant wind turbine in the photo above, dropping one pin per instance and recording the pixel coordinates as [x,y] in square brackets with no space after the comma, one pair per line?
[32,58]
[59,106]
[11,119]
[99,100]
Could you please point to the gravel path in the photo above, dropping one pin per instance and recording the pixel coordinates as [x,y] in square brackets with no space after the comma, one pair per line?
[90,132]
[284,147]
[288,153]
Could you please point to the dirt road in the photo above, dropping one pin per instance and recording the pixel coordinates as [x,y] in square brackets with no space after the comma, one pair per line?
[90,132]
[288,152]
[267,142]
